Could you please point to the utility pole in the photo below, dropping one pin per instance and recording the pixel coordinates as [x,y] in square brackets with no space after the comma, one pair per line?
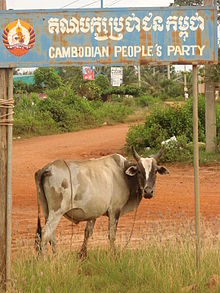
[210,105]
[6,112]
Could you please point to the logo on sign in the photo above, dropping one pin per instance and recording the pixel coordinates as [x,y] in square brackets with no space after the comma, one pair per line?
[18,37]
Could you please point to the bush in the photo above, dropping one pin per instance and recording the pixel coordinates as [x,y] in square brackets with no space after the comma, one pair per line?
[90,90]
[164,123]
[47,78]
[29,120]
[145,101]
[64,111]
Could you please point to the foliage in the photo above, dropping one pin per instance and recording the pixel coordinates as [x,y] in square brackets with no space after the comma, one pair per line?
[166,263]
[64,111]
[124,91]
[29,120]
[47,78]
[164,123]
[157,85]
[130,76]
[102,81]
[72,76]
[20,87]
[188,2]
[90,90]
[146,101]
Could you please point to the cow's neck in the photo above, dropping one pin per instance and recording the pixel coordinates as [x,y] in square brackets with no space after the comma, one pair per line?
[135,195]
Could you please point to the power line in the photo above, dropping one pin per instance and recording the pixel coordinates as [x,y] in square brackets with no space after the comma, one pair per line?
[114,2]
[90,4]
[70,3]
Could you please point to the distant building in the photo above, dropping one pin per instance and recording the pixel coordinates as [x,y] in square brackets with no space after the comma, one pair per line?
[28,79]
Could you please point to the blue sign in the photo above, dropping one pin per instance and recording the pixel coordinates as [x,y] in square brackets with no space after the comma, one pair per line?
[169,35]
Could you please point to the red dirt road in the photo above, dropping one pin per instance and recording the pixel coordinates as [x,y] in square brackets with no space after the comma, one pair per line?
[174,196]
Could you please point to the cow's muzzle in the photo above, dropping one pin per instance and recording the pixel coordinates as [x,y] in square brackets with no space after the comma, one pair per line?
[148,192]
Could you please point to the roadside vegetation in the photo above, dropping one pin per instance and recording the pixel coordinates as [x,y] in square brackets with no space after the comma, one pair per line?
[157,107]
[165,263]
[64,111]
[69,103]
[168,121]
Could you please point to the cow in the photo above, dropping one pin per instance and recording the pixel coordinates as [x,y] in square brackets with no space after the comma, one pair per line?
[85,190]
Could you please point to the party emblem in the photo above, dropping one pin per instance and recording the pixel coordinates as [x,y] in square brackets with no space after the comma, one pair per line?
[18,37]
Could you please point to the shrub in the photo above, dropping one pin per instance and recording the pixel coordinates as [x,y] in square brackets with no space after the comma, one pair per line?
[90,90]
[102,81]
[146,101]
[29,120]
[64,111]
[47,78]
[164,123]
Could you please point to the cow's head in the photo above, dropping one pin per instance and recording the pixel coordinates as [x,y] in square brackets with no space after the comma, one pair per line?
[146,170]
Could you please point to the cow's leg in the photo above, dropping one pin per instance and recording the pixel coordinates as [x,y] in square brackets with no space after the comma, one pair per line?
[112,227]
[88,233]
[48,231]
[53,242]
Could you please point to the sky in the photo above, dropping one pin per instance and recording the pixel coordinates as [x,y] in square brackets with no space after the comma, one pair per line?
[51,4]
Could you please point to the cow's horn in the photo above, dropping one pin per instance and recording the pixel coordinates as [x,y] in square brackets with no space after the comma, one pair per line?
[135,154]
[159,154]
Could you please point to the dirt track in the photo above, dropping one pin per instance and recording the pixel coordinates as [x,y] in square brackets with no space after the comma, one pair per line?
[174,193]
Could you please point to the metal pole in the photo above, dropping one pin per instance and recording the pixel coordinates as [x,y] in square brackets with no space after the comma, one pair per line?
[185,84]
[101,3]
[196,164]
[9,181]
[139,75]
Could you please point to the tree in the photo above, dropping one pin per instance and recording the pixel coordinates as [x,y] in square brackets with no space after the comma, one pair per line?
[47,78]
[188,2]
[195,3]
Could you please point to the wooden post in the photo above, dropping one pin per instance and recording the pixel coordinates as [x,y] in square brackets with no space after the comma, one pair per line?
[210,113]
[196,164]
[3,181]
[6,106]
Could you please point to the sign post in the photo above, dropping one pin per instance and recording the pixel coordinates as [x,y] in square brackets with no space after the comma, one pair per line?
[196,163]
[6,106]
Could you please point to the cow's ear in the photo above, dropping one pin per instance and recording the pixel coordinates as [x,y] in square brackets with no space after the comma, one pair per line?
[131,171]
[162,170]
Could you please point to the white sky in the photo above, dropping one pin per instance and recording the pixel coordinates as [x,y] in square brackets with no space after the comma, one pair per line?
[51,4]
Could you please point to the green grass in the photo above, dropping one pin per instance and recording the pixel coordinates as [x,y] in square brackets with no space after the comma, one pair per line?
[161,266]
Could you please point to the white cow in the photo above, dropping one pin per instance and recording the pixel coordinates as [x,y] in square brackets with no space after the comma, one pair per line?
[83,191]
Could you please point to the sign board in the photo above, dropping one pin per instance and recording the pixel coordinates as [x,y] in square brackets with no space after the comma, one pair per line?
[88,73]
[116,76]
[174,35]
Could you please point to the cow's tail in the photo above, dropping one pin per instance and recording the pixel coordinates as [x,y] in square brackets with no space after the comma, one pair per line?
[41,199]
